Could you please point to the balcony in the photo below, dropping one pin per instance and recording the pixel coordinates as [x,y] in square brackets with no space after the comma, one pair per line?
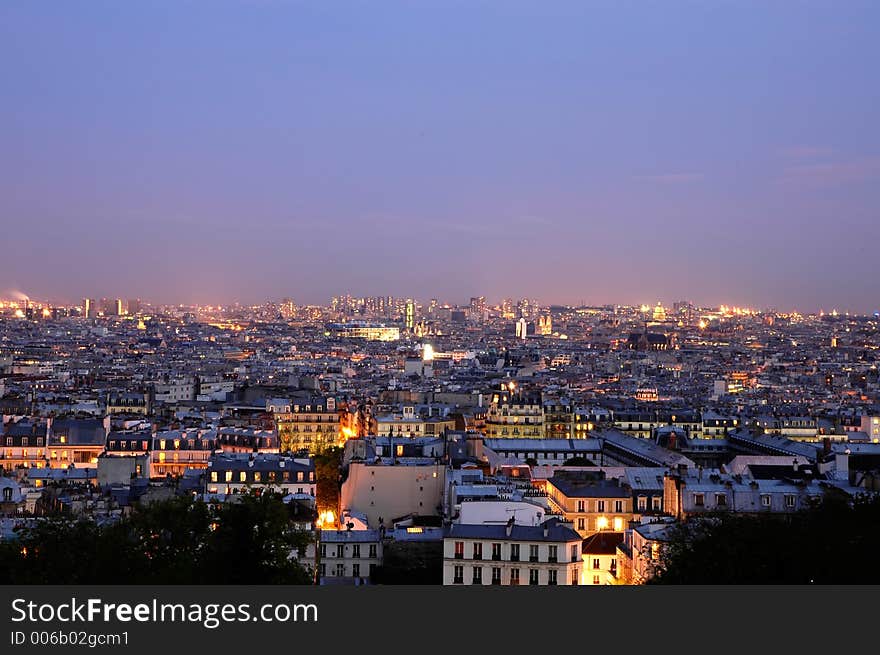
[514,558]
[552,559]
[459,556]
[496,557]
[533,558]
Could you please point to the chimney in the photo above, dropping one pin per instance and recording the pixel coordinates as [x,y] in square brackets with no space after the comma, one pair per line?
[794,465]
[509,528]
[826,445]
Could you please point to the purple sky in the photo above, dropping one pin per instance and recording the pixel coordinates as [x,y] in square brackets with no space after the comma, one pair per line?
[723,152]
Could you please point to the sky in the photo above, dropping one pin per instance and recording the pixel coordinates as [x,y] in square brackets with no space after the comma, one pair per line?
[574,152]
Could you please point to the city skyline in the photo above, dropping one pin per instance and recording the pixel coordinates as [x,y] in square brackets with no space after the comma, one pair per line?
[591,152]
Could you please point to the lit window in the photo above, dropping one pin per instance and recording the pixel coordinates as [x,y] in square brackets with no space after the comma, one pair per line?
[618,524]
[602,523]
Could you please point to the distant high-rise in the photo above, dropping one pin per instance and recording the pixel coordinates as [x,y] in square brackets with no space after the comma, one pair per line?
[477,308]
[522,328]
[89,308]
[134,306]
[410,314]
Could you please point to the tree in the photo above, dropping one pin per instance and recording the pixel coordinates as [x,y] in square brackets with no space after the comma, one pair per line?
[831,542]
[249,540]
[328,478]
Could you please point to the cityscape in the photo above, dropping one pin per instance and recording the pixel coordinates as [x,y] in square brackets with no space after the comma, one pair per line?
[422,441]
[300,295]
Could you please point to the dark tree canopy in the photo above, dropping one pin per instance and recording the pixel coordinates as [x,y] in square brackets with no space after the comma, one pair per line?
[834,542]
[176,541]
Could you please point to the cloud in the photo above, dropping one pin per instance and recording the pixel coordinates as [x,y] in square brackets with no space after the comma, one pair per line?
[831,173]
[805,152]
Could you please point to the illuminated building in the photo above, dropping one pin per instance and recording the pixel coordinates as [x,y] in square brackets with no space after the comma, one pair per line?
[599,555]
[558,421]
[368,331]
[659,314]
[312,425]
[514,414]
[23,445]
[511,554]
[233,473]
[545,325]
[76,442]
[410,314]
[89,308]
[590,502]
[522,328]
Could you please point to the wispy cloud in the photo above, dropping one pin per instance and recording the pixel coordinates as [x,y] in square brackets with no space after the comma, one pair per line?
[805,151]
[831,173]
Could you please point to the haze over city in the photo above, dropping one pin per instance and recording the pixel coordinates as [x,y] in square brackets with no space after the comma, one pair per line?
[581,152]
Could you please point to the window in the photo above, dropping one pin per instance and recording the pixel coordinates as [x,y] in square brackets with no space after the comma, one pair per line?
[256,476]
[618,524]
[514,552]
[24,441]
[582,506]
[356,551]
[655,503]
[340,570]
[478,550]
[323,570]
[721,500]
[340,550]
[356,570]
[765,500]
[228,476]
[323,550]
[643,503]
[39,441]
[600,505]
[699,500]
[533,553]
[496,552]
[458,575]
[514,577]
[574,552]
[596,564]
[581,524]
[595,579]
[242,477]
[573,577]
[533,576]
[373,550]
[496,575]
[551,577]
[552,556]
[789,500]
[213,476]
[478,575]
[618,506]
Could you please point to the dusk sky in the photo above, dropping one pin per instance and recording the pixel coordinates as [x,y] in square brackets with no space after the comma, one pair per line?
[182,151]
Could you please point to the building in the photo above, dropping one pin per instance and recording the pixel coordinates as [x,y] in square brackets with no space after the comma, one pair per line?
[76,441]
[515,414]
[590,502]
[233,473]
[599,555]
[313,425]
[23,445]
[361,330]
[390,488]
[511,554]
[348,556]
[122,470]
